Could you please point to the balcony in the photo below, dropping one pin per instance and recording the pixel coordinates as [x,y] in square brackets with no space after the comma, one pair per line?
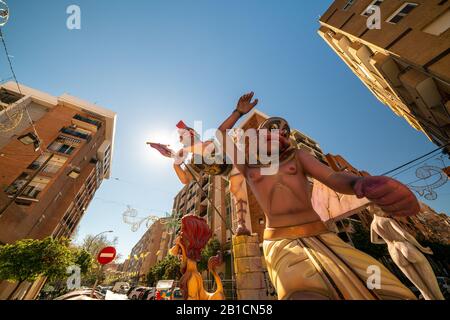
[87,123]
[8,97]
[77,132]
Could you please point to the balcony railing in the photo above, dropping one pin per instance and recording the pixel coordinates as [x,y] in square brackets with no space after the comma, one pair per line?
[75,133]
[94,122]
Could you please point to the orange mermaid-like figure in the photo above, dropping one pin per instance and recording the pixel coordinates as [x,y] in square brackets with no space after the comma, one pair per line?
[195,234]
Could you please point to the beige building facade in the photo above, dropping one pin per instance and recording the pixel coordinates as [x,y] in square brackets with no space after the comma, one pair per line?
[48,179]
[405,62]
[149,250]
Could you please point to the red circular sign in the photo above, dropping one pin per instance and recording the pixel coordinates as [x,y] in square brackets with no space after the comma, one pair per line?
[106,255]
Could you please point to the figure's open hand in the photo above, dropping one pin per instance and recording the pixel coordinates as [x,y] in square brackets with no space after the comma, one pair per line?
[390,195]
[245,103]
[163,149]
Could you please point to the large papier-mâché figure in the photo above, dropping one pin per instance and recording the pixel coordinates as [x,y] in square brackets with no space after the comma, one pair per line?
[188,170]
[407,254]
[304,259]
[193,237]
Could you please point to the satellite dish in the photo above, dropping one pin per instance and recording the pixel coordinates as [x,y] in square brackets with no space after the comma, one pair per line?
[4,13]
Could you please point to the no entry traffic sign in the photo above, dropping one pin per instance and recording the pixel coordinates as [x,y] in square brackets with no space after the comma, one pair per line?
[106,255]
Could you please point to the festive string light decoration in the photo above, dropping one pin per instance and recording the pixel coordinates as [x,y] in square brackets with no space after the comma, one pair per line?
[4,13]
[131,216]
[425,172]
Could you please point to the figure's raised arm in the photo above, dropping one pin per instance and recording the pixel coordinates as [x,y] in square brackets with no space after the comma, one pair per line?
[244,106]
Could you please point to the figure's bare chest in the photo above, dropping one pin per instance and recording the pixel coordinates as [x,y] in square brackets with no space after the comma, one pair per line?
[288,172]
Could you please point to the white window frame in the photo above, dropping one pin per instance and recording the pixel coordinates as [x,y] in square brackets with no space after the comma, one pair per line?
[397,12]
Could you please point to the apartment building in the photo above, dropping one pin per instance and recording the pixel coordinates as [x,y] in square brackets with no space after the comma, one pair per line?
[54,154]
[149,250]
[404,61]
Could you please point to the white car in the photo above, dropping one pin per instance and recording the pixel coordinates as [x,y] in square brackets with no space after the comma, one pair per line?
[82,295]
[136,292]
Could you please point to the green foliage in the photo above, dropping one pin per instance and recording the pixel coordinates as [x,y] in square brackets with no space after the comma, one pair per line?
[166,269]
[83,259]
[93,245]
[29,259]
[361,240]
[211,249]
[169,267]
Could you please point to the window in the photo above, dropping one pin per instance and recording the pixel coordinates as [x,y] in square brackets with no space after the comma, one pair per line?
[402,12]
[440,25]
[64,145]
[9,97]
[369,10]
[348,4]
[77,132]
[30,138]
[52,166]
[35,187]
[32,190]
[17,184]
[75,173]
[92,121]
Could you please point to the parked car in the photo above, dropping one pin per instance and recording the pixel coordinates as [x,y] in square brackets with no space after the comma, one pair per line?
[121,287]
[148,294]
[104,289]
[134,294]
[82,295]
[177,294]
[165,288]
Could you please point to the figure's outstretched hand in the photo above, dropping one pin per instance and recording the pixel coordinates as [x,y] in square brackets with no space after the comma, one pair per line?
[390,195]
[245,103]
[163,149]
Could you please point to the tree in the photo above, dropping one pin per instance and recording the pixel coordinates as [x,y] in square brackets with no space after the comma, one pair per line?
[28,259]
[166,269]
[92,245]
[83,259]
[361,240]
[212,247]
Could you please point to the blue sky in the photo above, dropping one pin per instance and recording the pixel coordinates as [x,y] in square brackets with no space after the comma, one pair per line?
[155,62]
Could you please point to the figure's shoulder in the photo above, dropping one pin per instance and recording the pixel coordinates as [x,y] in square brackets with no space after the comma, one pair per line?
[303,155]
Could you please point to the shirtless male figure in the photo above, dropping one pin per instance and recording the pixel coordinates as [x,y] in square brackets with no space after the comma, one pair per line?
[304,259]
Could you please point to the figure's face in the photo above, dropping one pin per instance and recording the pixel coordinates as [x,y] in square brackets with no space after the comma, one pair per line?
[186,137]
[275,129]
[269,135]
